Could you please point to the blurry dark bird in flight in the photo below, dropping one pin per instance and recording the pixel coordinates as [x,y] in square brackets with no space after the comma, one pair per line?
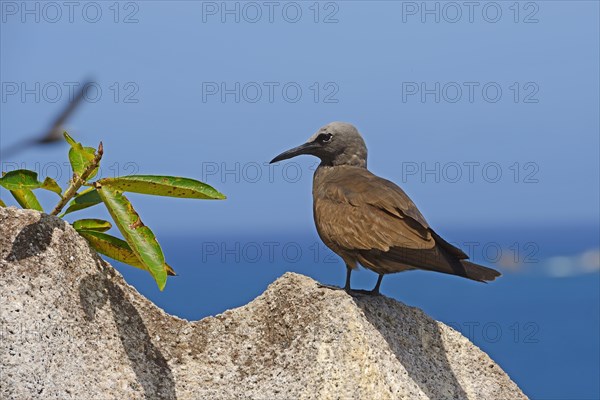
[54,133]
[369,220]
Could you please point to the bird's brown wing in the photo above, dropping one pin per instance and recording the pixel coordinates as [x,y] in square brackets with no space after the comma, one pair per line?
[357,210]
[387,196]
[360,214]
[361,228]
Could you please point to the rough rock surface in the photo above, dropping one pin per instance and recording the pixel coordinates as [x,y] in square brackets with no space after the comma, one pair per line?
[73,329]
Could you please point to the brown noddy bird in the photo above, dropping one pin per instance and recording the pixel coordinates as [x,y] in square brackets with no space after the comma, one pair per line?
[369,220]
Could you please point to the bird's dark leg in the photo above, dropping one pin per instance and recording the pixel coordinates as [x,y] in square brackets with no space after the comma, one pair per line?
[376,288]
[348,273]
[346,287]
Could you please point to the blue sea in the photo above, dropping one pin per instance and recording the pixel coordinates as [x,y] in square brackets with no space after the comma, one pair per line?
[540,321]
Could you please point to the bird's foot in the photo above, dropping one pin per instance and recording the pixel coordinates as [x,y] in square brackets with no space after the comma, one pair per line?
[351,291]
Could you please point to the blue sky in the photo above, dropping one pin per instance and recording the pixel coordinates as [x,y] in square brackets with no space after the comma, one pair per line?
[371,68]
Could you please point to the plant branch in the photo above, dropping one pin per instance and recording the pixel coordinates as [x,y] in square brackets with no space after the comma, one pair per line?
[79,181]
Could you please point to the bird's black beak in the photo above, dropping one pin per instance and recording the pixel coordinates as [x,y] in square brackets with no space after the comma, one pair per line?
[306,148]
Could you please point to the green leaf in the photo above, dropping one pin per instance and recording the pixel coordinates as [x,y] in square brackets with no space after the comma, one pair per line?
[20,179]
[98,225]
[115,248]
[27,199]
[163,186]
[79,156]
[21,182]
[85,199]
[69,139]
[2,204]
[51,185]
[140,238]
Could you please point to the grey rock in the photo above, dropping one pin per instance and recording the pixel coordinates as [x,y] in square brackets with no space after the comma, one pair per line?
[73,329]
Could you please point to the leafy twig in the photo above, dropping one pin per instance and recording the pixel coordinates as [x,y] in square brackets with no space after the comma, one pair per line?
[140,247]
[78,181]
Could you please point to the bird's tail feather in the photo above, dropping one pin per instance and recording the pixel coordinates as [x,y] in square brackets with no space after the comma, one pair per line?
[435,259]
[479,272]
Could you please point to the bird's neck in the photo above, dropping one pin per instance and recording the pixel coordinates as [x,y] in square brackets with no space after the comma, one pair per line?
[345,160]
[326,171]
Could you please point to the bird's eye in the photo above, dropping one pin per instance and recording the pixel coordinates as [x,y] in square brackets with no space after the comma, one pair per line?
[324,137]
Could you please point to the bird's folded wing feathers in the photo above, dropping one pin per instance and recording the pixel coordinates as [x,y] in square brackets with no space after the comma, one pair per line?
[374,214]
